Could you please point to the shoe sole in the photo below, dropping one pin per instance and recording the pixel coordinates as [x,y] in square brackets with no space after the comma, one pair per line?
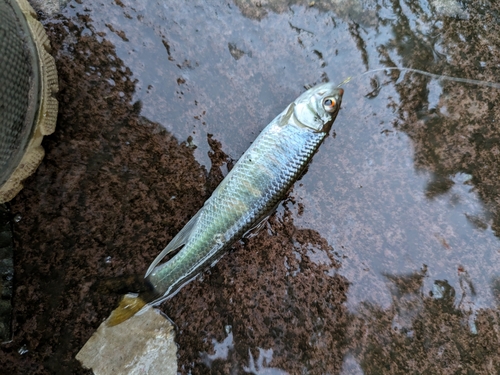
[46,118]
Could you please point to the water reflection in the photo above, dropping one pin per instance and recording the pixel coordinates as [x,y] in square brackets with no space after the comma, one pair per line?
[437,334]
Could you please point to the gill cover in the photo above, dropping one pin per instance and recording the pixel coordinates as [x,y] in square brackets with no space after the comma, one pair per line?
[318,107]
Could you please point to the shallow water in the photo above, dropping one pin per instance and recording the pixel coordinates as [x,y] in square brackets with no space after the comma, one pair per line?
[406,191]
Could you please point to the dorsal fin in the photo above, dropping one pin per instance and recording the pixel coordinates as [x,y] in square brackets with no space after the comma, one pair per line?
[179,240]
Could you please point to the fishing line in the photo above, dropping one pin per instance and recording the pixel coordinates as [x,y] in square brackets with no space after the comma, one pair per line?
[432,75]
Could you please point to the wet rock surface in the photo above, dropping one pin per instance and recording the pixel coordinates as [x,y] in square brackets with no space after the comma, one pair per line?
[385,258]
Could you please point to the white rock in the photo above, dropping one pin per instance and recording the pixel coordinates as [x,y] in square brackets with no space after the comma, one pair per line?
[143,344]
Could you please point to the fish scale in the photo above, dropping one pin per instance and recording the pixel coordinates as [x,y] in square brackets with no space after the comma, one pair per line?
[234,209]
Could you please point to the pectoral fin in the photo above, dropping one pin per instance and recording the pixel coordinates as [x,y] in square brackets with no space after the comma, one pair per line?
[179,240]
[286,115]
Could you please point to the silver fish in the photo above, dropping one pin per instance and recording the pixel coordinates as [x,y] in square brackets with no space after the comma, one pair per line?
[247,195]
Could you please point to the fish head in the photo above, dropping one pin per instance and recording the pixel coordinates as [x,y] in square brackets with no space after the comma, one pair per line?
[317,108]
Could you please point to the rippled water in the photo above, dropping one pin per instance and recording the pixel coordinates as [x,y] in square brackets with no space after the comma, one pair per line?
[406,192]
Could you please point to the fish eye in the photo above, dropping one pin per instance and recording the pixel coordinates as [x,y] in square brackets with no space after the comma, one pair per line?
[329,104]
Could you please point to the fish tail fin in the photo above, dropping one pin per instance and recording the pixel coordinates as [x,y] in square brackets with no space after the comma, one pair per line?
[128,307]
